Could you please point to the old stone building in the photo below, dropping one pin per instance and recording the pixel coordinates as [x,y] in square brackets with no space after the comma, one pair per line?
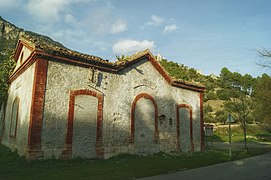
[65,104]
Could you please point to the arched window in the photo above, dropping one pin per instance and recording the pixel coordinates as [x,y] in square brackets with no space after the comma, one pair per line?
[14,117]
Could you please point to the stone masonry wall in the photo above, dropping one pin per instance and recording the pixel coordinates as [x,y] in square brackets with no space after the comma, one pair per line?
[21,87]
[119,91]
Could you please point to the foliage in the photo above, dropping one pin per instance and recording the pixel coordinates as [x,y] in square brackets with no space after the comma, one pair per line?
[223,94]
[263,100]
[208,117]
[175,70]
[239,101]
[264,136]
[122,57]
[6,68]
[241,107]
[221,116]
[210,96]
[6,48]
[255,133]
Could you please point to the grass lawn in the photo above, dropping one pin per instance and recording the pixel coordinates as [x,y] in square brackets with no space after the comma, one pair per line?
[120,167]
[254,134]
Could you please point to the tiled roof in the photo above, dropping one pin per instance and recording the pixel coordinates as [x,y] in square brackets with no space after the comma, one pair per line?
[47,45]
[189,83]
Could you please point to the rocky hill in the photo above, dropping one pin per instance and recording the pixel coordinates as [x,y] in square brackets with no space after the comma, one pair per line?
[9,35]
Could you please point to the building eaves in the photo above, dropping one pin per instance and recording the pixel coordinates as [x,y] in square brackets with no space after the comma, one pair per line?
[54,48]
[51,49]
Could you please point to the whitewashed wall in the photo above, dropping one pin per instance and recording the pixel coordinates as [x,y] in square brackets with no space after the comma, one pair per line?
[21,87]
[119,92]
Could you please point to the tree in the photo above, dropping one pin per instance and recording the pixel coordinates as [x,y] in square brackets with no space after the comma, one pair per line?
[225,78]
[241,107]
[221,116]
[262,96]
[248,83]
[263,91]
[238,88]
[207,114]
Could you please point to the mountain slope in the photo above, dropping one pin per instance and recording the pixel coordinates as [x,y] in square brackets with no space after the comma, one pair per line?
[9,35]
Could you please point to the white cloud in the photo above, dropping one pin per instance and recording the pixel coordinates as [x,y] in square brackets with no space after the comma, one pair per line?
[118,26]
[170,28]
[132,46]
[49,10]
[103,21]
[46,10]
[70,19]
[155,21]
[8,4]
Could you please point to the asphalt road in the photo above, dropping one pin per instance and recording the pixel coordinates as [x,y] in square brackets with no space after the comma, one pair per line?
[253,168]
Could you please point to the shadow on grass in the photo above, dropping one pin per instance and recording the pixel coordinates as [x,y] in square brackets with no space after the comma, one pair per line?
[124,166]
[216,138]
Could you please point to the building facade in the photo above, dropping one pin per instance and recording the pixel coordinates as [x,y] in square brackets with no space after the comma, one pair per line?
[65,104]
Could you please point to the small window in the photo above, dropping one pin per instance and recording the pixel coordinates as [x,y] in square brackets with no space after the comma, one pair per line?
[14,117]
[22,58]
[162,119]
[170,121]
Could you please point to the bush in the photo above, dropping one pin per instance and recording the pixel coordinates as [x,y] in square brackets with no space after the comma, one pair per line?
[211,96]
[264,136]
[223,94]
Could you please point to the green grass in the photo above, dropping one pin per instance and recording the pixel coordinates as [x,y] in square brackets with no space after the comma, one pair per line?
[120,167]
[254,134]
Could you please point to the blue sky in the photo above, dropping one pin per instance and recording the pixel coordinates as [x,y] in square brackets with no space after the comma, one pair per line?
[204,34]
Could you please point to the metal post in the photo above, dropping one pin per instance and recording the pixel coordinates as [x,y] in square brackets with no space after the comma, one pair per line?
[230,135]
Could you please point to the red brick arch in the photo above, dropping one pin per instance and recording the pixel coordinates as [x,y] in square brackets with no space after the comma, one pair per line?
[156,132]
[178,125]
[99,150]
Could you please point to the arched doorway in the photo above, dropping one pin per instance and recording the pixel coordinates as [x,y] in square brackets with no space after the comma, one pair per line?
[84,126]
[184,128]
[144,124]
[84,135]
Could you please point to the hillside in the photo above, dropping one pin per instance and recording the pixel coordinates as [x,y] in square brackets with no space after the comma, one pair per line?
[10,34]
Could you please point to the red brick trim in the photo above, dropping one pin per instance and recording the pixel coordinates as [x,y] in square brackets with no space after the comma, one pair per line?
[99,150]
[201,122]
[16,100]
[156,132]
[24,66]
[19,48]
[178,126]
[160,69]
[188,86]
[36,111]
